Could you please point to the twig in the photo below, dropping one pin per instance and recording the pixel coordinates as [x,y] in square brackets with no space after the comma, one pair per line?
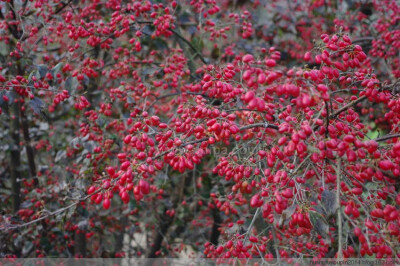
[190,45]
[275,241]
[266,125]
[243,109]
[54,212]
[387,137]
[339,214]
[174,94]
[347,106]
[183,145]
[43,217]
[251,225]
[301,165]
[63,5]
[364,39]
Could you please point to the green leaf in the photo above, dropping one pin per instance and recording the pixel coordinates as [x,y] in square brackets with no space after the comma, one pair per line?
[74,142]
[33,73]
[71,83]
[319,224]
[101,122]
[372,134]
[57,67]
[286,214]
[280,33]
[329,202]
[198,43]
[160,44]
[43,69]
[2,93]
[86,80]
[39,107]
[4,50]
[28,246]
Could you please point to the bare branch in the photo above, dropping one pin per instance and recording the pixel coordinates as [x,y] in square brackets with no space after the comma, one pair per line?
[16,226]
[387,137]
[190,45]
[58,10]
[266,125]
[347,106]
[339,213]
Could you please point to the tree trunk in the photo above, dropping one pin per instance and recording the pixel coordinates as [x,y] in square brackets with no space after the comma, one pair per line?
[15,158]
[165,223]
[80,243]
[29,150]
[216,225]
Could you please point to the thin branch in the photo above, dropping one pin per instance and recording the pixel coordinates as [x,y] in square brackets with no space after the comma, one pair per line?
[364,39]
[174,94]
[347,106]
[190,45]
[54,212]
[183,145]
[265,125]
[58,10]
[42,218]
[301,165]
[251,225]
[275,240]
[387,137]
[339,213]
[244,109]
[327,120]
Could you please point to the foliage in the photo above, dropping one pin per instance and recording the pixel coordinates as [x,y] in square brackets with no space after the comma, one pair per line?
[259,129]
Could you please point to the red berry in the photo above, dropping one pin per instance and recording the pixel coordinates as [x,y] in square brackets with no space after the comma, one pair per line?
[385,165]
[247,58]
[106,203]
